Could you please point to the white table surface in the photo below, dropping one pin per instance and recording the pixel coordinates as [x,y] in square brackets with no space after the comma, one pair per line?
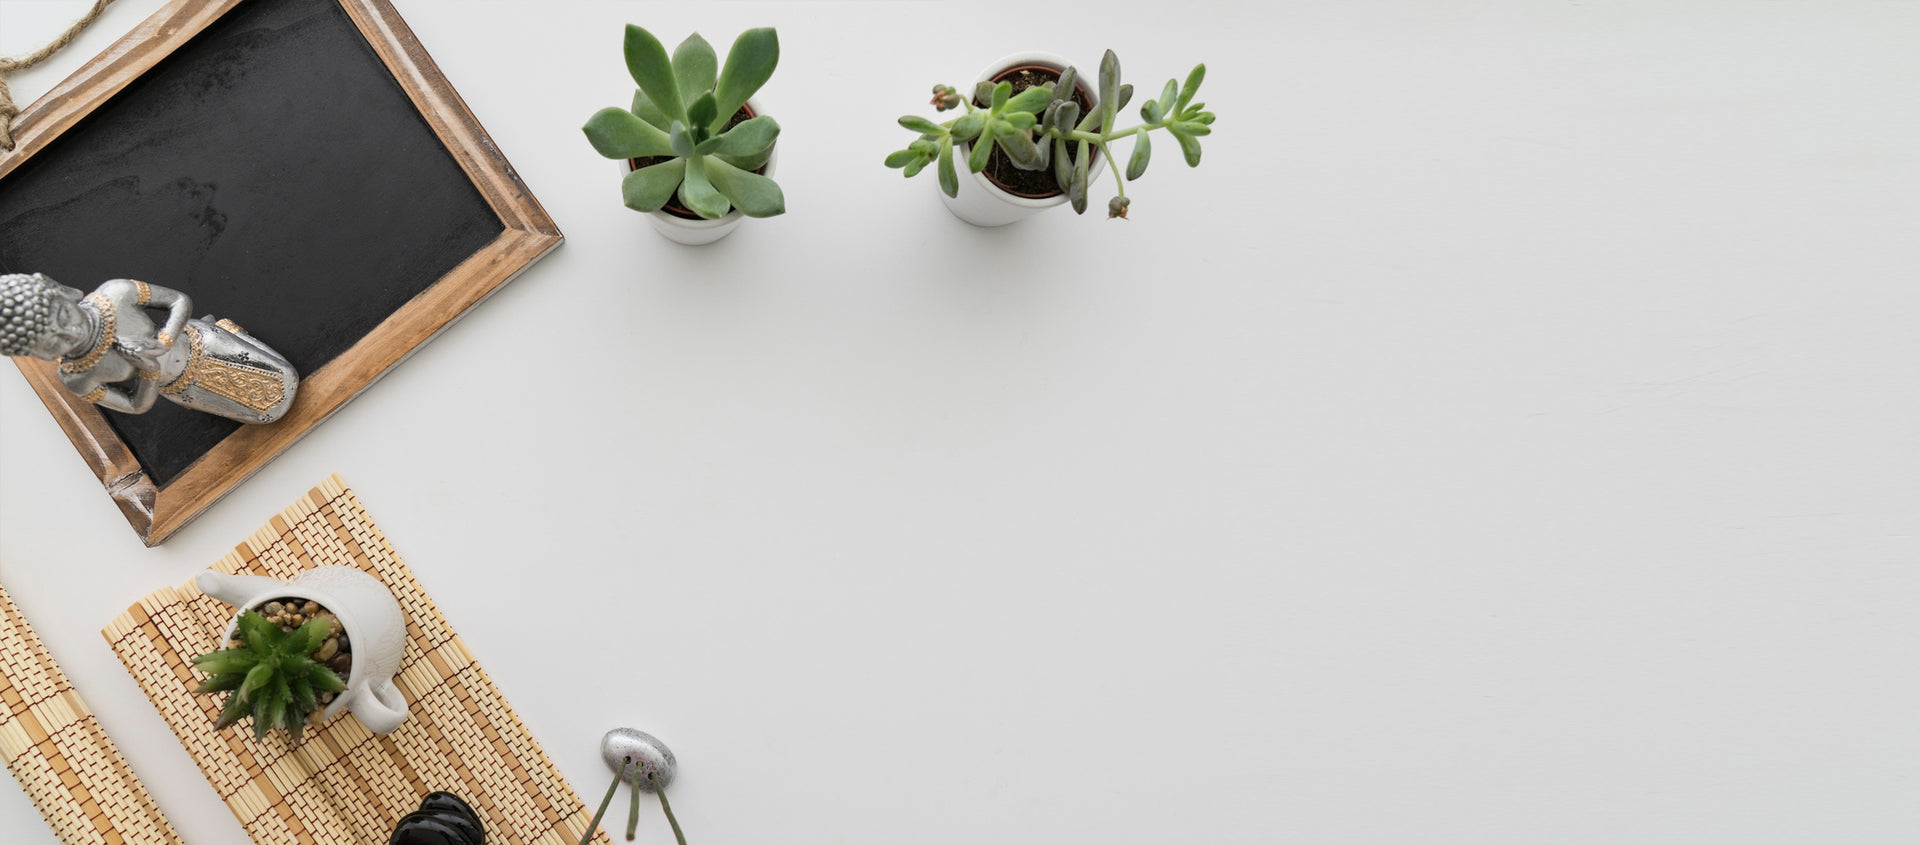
[1508,435]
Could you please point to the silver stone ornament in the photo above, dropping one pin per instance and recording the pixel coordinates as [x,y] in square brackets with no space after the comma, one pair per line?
[651,764]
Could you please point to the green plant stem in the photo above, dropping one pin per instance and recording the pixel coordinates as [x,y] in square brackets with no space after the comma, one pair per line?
[668,809]
[602,812]
[1113,164]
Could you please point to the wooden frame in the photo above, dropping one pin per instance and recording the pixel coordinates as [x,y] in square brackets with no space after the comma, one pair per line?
[156,511]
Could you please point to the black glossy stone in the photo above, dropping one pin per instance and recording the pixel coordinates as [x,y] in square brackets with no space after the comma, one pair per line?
[443,819]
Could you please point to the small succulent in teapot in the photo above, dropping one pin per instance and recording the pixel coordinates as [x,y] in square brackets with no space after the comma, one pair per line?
[271,674]
[682,115]
[1042,128]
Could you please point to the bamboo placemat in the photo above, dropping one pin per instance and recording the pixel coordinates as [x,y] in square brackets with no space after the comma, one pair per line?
[58,752]
[343,784]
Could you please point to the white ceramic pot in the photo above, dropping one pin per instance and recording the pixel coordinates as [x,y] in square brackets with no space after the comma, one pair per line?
[981,202]
[367,612]
[680,230]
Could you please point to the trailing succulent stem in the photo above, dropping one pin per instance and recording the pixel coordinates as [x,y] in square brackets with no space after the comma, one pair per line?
[681,113]
[1035,127]
[270,674]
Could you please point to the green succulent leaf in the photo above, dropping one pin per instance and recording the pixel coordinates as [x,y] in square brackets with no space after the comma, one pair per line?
[1002,92]
[1066,117]
[982,92]
[304,700]
[1109,79]
[651,69]
[968,128]
[981,151]
[257,632]
[1031,100]
[949,180]
[680,139]
[268,712]
[616,133]
[707,147]
[1022,121]
[694,67]
[296,722]
[749,64]
[324,679]
[309,637]
[1192,127]
[1192,87]
[1169,96]
[1189,146]
[902,158]
[226,661]
[755,195]
[1018,146]
[750,137]
[1126,96]
[914,167]
[234,708]
[644,109]
[1142,149]
[698,194]
[922,125]
[222,682]
[1062,164]
[700,115]
[1077,188]
[1064,86]
[257,678]
[1150,111]
[649,188]
[746,162]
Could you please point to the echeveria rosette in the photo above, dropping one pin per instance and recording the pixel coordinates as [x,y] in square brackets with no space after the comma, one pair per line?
[271,676]
[681,109]
[1034,127]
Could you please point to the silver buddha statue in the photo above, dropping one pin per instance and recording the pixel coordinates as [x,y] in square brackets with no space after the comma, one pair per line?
[111,354]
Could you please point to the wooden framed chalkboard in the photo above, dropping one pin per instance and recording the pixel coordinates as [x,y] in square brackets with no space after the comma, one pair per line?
[297,166]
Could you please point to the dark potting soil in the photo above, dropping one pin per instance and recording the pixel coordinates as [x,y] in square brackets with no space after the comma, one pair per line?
[673,205]
[1033,184]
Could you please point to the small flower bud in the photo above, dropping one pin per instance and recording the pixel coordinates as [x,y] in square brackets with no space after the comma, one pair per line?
[944,97]
[1117,207]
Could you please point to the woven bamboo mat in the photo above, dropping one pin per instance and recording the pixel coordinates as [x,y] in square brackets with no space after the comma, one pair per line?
[58,752]
[343,784]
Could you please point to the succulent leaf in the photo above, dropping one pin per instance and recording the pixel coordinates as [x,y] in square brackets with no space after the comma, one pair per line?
[222,683]
[224,662]
[320,676]
[679,139]
[1020,120]
[1137,163]
[1109,79]
[698,195]
[234,708]
[1077,189]
[256,631]
[257,678]
[750,137]
[651,69]
[700,116]
[1031,100]
[1168,97]
[1192,87]
[1150,111]
[1063,88]
[707,147]
[694,67]
[754,161]
[968,128]
[749,64]
[1002,92]
[617,133]
[913,169]
[982,150]
[1189,146]
[644,109]
[949,180]
[922,125]
[649,188]
[1126,96]
[900,158]
[755,195]
[1019,147]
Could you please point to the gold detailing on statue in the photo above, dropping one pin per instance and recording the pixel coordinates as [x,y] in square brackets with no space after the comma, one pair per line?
[229,325]
[165,337]
[93,395]
[142,294]
[105,306]
[152,375]
[255,387]
[196,353]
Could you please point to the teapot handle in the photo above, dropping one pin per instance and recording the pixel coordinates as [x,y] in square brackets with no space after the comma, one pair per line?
[380,706]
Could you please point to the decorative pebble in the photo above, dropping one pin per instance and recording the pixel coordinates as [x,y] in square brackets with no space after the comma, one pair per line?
[341,664]
[327,650]
[273,608]
[310,608]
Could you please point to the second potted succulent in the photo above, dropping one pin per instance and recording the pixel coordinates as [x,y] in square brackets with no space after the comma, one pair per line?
[1017,115]
[696,148]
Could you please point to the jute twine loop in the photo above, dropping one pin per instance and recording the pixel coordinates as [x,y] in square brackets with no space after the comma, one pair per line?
[7,108]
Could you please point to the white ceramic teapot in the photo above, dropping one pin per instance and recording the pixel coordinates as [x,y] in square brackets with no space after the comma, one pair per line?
[368,614]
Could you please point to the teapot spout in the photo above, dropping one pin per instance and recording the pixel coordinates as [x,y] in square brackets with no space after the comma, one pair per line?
[235,589]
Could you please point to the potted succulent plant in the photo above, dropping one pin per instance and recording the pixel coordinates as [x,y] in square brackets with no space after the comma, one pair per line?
[696,149]
[302,650]
[1020,120]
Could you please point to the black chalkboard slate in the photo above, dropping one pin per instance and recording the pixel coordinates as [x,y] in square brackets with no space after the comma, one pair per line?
[274,171]
[299,167]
